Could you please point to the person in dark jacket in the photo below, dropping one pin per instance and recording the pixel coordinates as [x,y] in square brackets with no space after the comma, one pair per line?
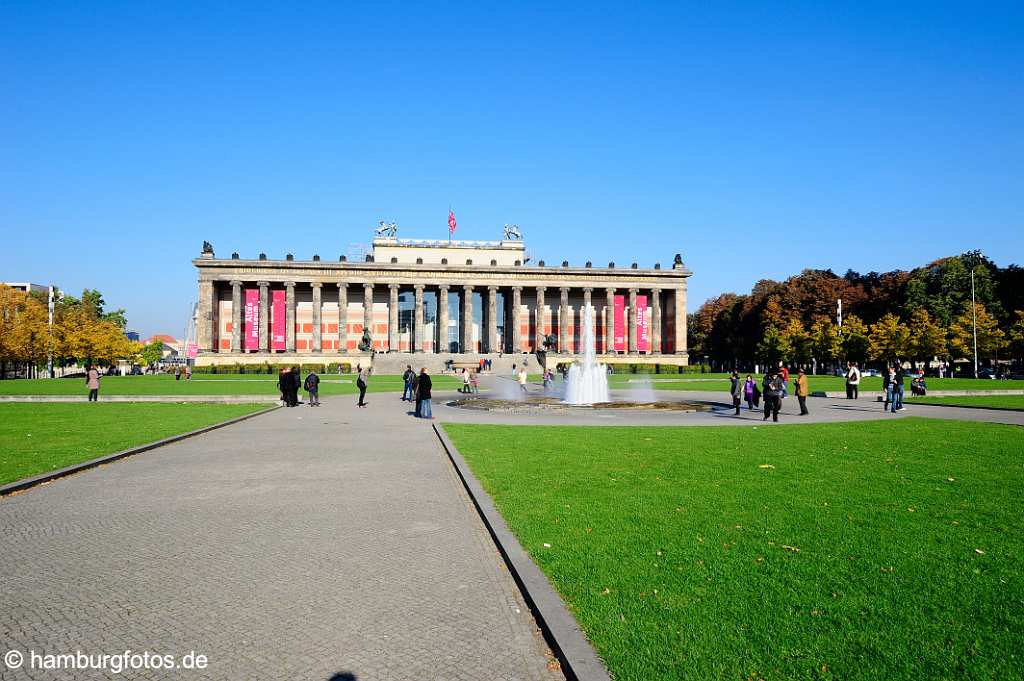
[897,391]
[772,394]
[361,380]
[284,381]
[736,390]
[296,384]
[312,386]
[423,394]
[416,395]
[409,390]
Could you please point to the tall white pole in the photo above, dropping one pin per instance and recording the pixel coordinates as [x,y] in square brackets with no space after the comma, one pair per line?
[49,356]
[974,316]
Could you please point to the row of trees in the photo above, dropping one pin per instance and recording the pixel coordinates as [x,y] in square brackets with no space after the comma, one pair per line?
[918,315]
[82,330]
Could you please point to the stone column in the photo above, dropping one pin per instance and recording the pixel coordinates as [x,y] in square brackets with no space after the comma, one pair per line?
[368,310]
[204,317]
[588,300]
[289,316]
[517,331]
[631,322]
[656,321]
[264,316]
[393,343]
[417,320]
[237,315]
[609,316]
[563,320]
[538,336]
[318,343]
[442,319]
[342,316]
[680,320]
[492,319]
[466,319]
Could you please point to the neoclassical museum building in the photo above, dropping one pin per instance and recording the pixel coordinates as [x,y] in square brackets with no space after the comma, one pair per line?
[458,300]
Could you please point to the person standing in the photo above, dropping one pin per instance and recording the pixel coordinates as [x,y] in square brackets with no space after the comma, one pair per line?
[423,395]
[177,372]
[92,382]
[736,390]
[188,372]
[522,378]
[853,382]
[312,387]
[284,377]
[897,393]
[418,411]
[801,392]
[888,384]
[363,377]
[784,376]
[296,385]
[408,377]
[772,395]
[748,392]
[465,381]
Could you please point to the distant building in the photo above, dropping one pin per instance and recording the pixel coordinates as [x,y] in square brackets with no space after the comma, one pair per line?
[172,346]
[131,335]
[27,287]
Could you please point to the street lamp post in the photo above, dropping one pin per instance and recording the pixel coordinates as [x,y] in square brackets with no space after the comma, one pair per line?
[974,318]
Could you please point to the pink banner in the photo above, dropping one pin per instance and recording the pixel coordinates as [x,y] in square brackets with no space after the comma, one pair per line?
[252,319]
[277,321]
[620,323]
[192,352]
[643,341]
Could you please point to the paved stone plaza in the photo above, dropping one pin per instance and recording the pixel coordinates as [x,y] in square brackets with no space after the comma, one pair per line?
[297,545]
[301,544]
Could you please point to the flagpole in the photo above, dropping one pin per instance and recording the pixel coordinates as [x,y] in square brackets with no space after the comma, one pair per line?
[449,225]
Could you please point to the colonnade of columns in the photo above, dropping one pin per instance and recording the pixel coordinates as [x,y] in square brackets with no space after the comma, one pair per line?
[513,304]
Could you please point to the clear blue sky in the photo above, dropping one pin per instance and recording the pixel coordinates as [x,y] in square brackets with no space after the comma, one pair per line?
[755,140]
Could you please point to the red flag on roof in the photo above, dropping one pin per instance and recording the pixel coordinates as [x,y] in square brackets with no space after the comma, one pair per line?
[451,221]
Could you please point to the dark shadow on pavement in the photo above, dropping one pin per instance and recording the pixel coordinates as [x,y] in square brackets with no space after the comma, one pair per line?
[343,676]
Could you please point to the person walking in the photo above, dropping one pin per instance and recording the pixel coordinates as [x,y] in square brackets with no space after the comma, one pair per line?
[363,377]
[296,385]
[92,382]
[465,381]
[474,382]
[177,372]
[312,386]
[284,378]
[408,377]
[852,381]
[772,395]
[736,390]
[748,392]
[784,375]
[522,378]
[423,394]
[801,392]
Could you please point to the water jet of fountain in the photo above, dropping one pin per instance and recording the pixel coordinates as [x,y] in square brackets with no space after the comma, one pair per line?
[587,382]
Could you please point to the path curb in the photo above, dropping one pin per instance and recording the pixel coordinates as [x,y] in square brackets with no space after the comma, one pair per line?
[578,658]
[958,406]
[176,399]
[27,483]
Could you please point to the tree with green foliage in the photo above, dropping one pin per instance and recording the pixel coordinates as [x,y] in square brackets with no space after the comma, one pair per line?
[927,338]
[855,342]
[152,353]
[770,348]
[889,339]
[991,338]
[1016,336]
[826,343]
[796,342]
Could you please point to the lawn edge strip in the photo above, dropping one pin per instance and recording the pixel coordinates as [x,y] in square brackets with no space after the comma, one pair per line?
[574,652]
[35,480]
[960,406]
[192,399]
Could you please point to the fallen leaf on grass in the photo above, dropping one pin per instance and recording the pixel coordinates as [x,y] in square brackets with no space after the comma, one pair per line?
[794,549]
[979,552]
[888,569]
[766,465]
[606,591]
[547,546]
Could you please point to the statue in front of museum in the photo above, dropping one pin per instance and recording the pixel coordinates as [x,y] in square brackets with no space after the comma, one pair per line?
[512,233]
[387,229]
[365,343]
[207,248]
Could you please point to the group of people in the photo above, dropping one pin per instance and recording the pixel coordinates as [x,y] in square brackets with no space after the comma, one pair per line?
[470,382]
[417,389]
[773,389]
[289,382]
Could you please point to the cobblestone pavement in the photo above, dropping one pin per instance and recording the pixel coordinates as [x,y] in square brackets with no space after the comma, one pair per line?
[309,543]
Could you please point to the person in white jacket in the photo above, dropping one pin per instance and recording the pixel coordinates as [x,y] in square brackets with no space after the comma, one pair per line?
[852,381]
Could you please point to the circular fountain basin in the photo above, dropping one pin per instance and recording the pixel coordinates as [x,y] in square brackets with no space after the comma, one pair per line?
[554,404]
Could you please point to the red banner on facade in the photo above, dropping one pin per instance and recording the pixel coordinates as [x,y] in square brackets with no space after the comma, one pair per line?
[620,323]
[277,321]
[643,341]
[252,319]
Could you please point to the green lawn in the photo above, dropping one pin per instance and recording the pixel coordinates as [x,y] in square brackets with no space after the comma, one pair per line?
[816,383]
[40,437]
[872,550]
[203,384]
[990,401]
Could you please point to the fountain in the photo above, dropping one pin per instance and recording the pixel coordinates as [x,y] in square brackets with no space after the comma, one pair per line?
[587,382]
